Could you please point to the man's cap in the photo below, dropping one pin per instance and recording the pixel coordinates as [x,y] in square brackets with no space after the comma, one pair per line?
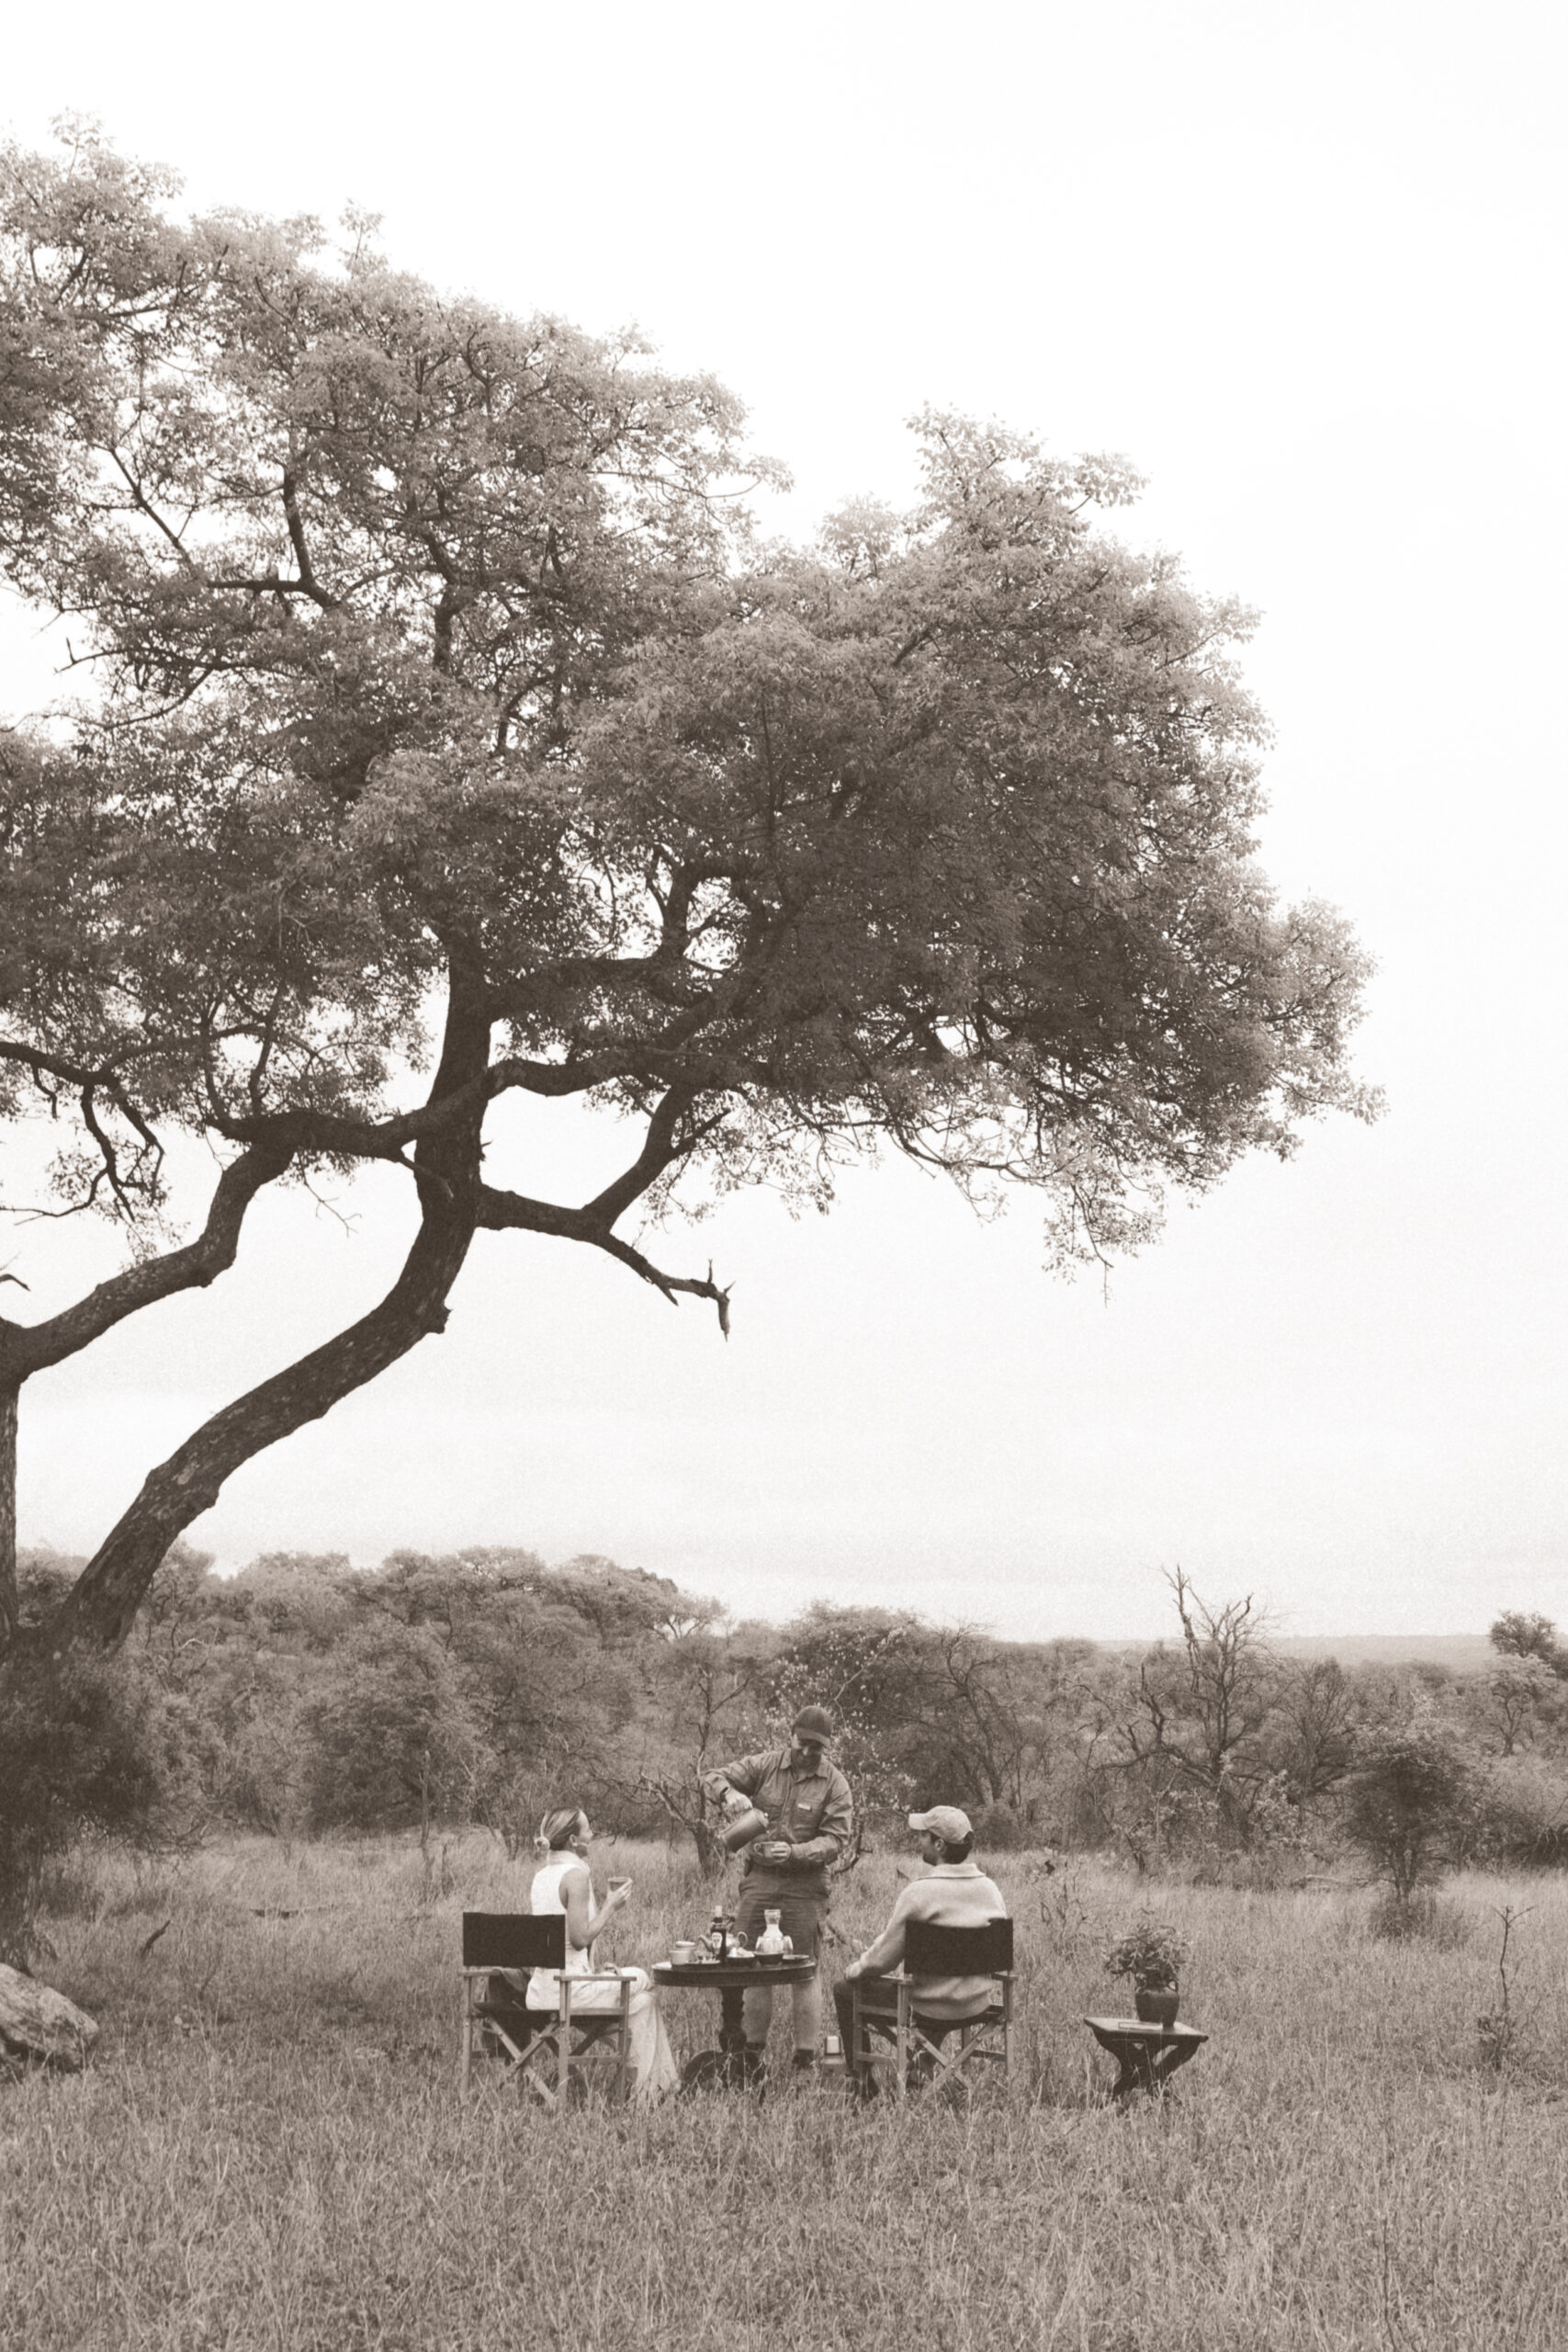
[946,1822]
[814,1723]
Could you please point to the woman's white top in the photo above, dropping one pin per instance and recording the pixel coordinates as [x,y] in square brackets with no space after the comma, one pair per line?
[545,1896]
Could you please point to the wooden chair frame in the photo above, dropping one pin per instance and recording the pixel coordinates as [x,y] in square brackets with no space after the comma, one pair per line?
[931,1950]
[498,1941]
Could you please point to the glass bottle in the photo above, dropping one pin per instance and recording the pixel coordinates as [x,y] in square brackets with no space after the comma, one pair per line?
[770,1942]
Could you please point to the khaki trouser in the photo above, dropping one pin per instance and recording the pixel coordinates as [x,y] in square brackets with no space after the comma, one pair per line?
[801,1912]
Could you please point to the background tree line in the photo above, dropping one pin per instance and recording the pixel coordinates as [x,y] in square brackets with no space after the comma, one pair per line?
[304,1698]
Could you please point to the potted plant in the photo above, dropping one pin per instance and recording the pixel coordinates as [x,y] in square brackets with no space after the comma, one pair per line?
[1152,1953]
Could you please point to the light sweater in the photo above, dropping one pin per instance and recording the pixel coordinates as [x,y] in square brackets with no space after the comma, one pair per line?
[951,1894]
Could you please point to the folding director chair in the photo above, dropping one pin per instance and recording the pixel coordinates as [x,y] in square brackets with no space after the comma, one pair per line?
[969,2043]
[536,2046]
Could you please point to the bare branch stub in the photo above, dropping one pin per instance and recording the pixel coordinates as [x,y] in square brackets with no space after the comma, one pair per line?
[514,1212]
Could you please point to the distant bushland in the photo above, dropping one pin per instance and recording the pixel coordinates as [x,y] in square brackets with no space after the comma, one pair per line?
[304,1698]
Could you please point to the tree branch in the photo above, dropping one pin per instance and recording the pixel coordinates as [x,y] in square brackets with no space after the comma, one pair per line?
[347,1138]
[29,1348]
[659,1149]
[308,580]
[501,1212]
[662,1146]
[105,1075]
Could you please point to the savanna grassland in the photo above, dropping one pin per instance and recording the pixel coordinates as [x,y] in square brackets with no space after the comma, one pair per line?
[268,2154]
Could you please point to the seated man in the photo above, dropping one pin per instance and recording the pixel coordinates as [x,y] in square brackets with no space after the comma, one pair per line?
[955,1892]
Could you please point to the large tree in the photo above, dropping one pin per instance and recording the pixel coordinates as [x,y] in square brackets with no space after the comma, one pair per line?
[440,731]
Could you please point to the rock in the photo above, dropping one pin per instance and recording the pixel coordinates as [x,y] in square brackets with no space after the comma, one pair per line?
[36,2022]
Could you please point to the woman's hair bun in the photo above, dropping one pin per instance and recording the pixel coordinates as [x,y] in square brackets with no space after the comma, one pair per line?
[557,1829]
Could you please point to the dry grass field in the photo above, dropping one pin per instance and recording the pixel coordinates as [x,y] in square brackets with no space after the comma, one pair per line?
[267,2153]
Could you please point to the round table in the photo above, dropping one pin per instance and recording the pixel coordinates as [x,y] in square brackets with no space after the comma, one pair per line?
[725,2069]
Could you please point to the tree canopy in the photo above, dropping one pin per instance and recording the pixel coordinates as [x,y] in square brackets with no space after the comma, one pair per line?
[442,728]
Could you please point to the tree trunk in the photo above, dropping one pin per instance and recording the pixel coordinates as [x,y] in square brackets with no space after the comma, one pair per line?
[100,1609]
[8,1399]
[711,1854]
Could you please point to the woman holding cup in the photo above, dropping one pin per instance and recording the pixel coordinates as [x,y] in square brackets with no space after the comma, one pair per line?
[562,1884]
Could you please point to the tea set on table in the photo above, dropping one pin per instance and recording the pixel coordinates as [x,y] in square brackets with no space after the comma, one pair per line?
[724,1945]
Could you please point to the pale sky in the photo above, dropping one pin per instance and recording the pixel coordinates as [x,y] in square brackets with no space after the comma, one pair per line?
[1303,266]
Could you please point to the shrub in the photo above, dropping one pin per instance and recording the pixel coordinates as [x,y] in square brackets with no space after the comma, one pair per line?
[1002,1829]
[1421,1915]
[1521,1814]
[389,1741]
[1411,1806]
[86,1745]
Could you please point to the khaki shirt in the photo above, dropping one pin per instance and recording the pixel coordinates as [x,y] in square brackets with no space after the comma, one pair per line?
[811,1806]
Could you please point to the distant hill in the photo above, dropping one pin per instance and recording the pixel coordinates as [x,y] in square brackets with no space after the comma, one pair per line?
[1461,1653]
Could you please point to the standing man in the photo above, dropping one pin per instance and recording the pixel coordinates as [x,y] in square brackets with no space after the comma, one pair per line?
[809,1814]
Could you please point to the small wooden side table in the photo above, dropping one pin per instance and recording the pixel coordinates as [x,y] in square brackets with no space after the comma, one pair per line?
[1145,2055]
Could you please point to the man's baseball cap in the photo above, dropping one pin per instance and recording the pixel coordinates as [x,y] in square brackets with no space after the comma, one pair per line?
[946,1822]
[814,1723]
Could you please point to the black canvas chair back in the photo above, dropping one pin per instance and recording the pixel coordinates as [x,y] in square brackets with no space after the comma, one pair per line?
[513,1939]
[933,1950]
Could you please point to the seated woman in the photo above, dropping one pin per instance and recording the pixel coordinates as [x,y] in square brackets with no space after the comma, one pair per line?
[955,1892]
[562,1884]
